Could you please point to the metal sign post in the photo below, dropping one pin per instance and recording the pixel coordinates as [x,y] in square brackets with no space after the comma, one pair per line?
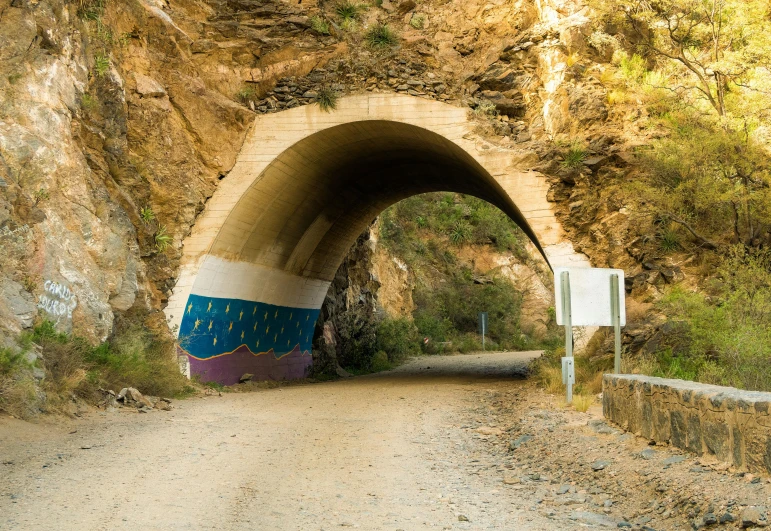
[483,326]
[615,314]
[587,296]
[568,367]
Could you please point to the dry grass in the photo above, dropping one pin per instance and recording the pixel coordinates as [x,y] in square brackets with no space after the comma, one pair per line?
[19,396]
[550,378]
[582,403]
[616,97]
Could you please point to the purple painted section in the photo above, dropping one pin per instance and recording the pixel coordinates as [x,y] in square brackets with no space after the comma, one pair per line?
[228,368]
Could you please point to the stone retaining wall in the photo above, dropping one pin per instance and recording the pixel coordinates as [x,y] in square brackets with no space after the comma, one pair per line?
[731,424]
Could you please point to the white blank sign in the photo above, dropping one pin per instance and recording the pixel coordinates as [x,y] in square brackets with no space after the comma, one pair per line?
[589,296]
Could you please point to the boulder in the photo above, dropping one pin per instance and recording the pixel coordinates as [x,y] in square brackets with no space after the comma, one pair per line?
[147,87]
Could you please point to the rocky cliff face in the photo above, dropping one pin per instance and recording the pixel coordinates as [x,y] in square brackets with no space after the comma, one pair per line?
[117,121]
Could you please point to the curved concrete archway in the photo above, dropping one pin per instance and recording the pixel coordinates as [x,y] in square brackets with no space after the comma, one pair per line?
[258,263]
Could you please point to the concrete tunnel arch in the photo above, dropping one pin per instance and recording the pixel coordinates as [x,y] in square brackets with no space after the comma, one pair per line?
[259,261]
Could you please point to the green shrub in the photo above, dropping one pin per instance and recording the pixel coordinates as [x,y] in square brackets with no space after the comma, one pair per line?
[357,331]
[398,338]
[162,239]
[319,25]
[327,99]
[101,64]
[12,361]
[485,108]
[460,232]
[449,310]
[348,11]
[380,362]
[574,157]
[246,94]
[147,214]
[91,9]
[381,36]
[87,102]
[724,336]
[137,357]
[669,240]
[418,21]
[632,68]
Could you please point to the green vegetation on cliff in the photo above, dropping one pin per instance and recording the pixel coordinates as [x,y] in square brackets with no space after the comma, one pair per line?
[438,237]
[691,82]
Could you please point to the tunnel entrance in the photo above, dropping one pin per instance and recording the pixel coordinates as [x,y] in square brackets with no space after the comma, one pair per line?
[259,262]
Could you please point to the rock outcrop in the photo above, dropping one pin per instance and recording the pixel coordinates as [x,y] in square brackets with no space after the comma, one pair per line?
[119,119]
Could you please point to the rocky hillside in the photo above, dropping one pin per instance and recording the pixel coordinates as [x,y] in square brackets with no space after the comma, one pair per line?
[118,120]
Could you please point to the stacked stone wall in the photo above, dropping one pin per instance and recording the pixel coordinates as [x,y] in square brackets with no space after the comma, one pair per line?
[730,424]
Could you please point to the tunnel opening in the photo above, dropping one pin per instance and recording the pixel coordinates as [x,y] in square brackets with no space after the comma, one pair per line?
[416,279]
[258,265]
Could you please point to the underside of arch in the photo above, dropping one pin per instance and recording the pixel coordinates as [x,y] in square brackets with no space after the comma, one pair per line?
[283,221]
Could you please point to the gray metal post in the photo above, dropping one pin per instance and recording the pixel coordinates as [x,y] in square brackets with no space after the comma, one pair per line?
[567,319]
[615,313]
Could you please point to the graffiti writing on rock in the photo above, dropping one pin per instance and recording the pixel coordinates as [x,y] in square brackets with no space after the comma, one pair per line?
[57,300]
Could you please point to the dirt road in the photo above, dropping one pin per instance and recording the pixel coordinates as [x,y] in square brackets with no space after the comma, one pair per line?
[432,445]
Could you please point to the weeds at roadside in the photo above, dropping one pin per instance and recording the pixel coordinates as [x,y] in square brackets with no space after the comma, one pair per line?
[582,403]
[135,356]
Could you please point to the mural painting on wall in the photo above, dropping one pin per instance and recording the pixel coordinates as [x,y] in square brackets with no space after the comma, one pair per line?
[57,300]
[226,338]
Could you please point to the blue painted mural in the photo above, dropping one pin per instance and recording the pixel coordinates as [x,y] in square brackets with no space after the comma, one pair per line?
[226,338]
